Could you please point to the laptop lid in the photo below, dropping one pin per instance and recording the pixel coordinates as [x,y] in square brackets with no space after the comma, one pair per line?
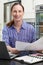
[4,53]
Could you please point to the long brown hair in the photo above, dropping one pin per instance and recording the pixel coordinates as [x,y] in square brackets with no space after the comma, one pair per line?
[12,21]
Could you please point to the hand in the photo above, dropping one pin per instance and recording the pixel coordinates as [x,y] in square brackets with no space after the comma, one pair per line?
[14,51]
[40,51]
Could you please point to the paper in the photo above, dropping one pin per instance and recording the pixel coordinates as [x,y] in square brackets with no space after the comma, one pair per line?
[37,45]
[29,59]
[21,46]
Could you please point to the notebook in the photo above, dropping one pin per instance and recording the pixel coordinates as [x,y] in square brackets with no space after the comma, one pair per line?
[4,54]
[29,59]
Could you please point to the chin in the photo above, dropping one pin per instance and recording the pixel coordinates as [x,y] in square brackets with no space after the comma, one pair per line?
[18,20]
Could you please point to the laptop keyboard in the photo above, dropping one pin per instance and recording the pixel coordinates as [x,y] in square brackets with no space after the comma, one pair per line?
[11,55]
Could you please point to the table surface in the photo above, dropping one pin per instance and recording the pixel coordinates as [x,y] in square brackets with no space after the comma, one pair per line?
[13,62]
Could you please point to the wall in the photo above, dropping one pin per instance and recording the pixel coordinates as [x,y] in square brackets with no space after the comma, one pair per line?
[29,6]
[38,2]
[1,16]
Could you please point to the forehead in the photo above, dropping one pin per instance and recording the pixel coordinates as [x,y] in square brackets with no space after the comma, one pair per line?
[17,7]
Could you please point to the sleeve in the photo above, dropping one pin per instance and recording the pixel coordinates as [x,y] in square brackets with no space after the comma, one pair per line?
[33,34]
[5,35]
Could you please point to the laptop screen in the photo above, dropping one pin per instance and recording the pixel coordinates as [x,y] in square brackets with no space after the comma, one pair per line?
[4,52]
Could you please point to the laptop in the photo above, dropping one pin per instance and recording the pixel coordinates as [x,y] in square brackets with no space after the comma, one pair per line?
[4,54]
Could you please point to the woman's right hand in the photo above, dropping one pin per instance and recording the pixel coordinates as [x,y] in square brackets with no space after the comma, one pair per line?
[14,51]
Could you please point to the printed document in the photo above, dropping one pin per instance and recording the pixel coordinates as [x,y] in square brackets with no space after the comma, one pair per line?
[29,59]
[37,45]
[21,46]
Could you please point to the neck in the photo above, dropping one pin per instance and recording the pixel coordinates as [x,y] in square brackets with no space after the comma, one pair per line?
[17,25]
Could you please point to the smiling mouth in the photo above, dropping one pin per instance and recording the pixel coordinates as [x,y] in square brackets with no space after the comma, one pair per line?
[17,17]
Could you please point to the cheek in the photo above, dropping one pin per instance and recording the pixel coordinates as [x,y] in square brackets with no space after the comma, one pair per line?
[21,14]
[13,14]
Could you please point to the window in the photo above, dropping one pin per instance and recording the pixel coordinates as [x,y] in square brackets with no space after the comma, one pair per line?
[7,13]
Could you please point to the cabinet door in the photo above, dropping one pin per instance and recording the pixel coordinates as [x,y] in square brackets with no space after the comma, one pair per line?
[39,24]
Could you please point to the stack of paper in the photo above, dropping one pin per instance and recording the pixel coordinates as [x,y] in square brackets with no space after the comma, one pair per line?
[21,46]
[37,45]
[29,59]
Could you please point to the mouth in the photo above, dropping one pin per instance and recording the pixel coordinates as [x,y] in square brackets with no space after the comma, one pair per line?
[17,17]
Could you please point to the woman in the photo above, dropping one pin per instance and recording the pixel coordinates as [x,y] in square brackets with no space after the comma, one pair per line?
[17,29]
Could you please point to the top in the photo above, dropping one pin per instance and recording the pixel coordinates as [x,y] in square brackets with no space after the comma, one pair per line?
[26,34]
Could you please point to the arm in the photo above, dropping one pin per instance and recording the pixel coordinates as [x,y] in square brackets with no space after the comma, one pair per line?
[5,37]
[33,34]
[12,50]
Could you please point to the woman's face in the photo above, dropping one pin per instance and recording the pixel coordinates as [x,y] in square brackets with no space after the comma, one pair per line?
[17,13]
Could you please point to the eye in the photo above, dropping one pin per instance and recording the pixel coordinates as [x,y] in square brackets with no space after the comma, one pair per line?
[14,11]
[19,10]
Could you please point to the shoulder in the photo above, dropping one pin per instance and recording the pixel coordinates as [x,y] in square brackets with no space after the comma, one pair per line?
[5,28]
[28,26]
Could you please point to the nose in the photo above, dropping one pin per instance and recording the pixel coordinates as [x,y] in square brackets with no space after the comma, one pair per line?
[17,13]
